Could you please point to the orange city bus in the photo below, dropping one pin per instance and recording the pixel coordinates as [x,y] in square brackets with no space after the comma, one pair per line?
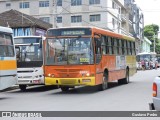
[87,56]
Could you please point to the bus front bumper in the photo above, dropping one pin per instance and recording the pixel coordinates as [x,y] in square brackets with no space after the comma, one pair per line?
[90,81]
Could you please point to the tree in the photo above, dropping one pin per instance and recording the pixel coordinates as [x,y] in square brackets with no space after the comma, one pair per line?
[151,31]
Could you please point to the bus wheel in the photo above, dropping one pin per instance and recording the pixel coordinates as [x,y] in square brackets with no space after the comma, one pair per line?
[104,84]
[64,88]
[23,87]
[126,79]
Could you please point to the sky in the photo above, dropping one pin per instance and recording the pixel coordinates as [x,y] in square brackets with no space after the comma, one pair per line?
[151,11]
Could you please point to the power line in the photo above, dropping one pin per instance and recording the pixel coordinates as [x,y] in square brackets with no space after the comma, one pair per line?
[83,4]
[82,19]
[89,5]
[111,12]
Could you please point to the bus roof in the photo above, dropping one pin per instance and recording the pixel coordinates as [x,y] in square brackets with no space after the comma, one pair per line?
[144,53]
[6,29]
[27,37]
[110,33]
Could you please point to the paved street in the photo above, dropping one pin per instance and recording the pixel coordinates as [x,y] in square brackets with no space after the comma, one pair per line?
[132,97]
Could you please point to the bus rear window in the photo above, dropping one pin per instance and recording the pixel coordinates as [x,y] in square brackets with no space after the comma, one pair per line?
[26,40]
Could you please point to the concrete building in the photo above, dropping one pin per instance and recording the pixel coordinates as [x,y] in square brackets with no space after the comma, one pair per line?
[138,26]
[22,24]
[146,45]
[101,13]
[115,15]
[136,23]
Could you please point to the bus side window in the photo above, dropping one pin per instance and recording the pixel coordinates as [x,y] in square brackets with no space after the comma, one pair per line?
[129,48]
[112,45]
[109,45]
[104,48]
[132,53]
[133,48]
[120,46]
[98,49]
[115,46]
[123,47]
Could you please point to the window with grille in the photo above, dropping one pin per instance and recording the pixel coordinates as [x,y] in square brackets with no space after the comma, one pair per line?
[43,3]
[96,17]
[59,2]
[91,2]
[76,2]
[24,5]
[59,19]
[75,19]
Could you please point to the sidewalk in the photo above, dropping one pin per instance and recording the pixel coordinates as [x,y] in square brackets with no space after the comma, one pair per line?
[10,88]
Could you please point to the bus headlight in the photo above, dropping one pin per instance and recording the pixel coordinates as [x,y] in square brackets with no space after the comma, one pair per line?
[88,74]
[50,75]
[85,73]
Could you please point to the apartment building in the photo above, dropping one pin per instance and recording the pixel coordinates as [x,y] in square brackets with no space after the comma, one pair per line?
[135,23]
[115,15]
[61,13]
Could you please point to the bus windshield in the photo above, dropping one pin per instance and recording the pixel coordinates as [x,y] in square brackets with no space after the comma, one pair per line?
[146,57]
[28,53]
[28,49]
[62,51]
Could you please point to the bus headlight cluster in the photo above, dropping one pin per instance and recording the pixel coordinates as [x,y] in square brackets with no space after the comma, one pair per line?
[85,73]
[50,75]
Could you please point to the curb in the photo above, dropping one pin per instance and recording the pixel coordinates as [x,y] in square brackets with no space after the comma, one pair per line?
[10,88]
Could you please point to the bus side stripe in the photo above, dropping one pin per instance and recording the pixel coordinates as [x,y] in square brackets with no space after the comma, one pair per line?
[8,65]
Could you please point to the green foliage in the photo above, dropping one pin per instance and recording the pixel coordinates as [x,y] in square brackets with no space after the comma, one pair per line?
[149,32]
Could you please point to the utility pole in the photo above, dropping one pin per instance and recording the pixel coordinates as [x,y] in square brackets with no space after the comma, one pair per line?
[55,16]
[154,42]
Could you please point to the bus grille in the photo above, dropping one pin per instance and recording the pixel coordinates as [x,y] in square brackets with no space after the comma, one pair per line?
[24,76]
[68,81]
[23,81]
[68,70]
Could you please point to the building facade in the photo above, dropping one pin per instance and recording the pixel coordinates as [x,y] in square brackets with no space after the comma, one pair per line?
[101,13]
[115,15]
[136,23]
[146,45]
[22,24]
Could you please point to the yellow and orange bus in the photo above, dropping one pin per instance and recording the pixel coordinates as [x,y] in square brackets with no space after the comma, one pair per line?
[8,66]
[89,56]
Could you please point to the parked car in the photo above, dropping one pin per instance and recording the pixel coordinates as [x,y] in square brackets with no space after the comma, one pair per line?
[156,95]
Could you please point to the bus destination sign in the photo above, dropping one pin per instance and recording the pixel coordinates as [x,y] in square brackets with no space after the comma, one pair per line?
[75,32]
[69,32]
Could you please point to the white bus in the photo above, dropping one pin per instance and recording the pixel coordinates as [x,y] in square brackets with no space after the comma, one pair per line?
[148,58]
[8,67]
[29,54]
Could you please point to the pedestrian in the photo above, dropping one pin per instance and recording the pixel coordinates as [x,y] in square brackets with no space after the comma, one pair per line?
[143,64]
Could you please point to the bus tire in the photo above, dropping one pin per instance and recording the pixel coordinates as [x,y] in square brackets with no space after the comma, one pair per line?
[104,84]
[126,79]
[64,88]
[23,87]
